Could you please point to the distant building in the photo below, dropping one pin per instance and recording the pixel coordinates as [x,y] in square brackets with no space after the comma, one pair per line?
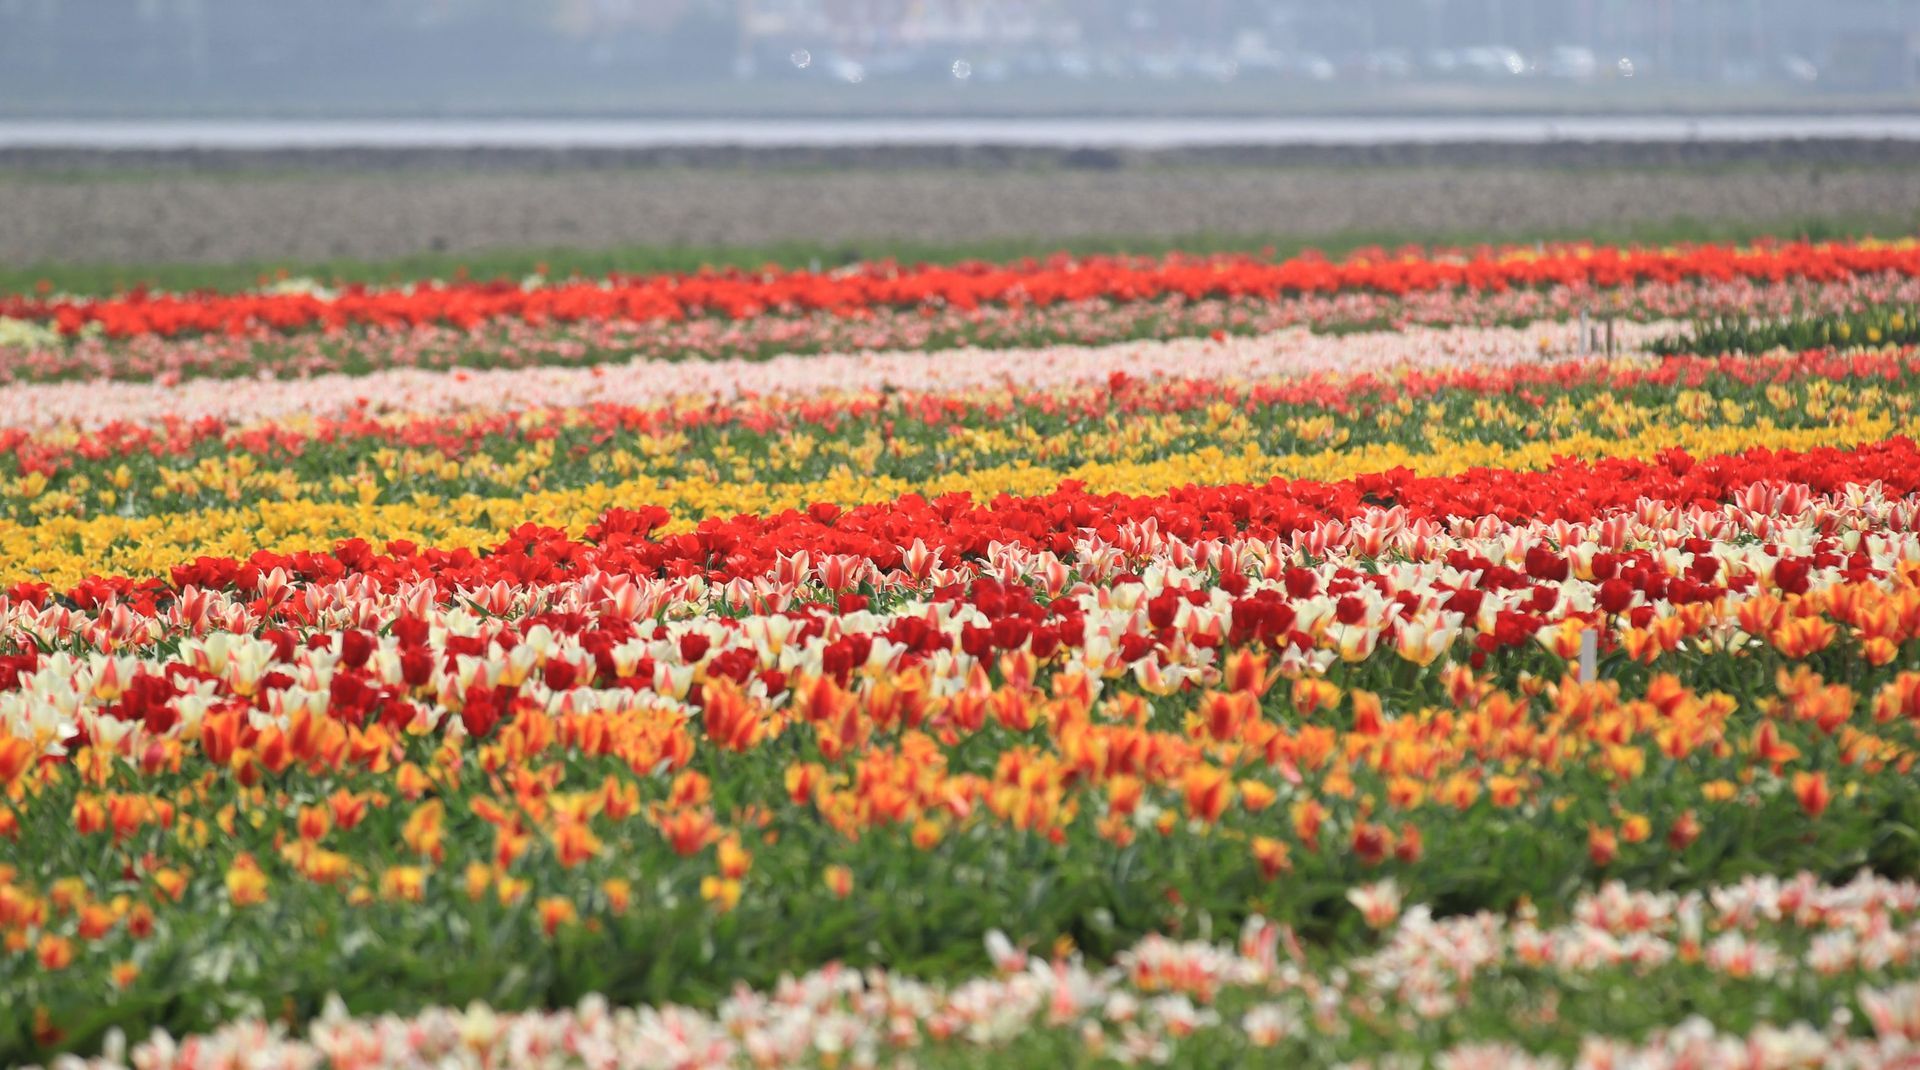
[908,23]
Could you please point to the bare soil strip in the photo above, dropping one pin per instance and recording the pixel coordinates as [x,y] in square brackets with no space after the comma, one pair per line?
[310,208]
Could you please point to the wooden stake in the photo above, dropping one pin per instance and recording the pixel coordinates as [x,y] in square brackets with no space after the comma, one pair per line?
[1589,656]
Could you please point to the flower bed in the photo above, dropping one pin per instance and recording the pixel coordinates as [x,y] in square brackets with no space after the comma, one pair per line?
[981,702]
[852,291]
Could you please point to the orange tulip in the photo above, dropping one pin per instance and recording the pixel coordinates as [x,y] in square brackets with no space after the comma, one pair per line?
[687,830]
[314,823]
[404,884]
[16,757]
[1273,856]
[1208,790]
[1246,672]
[348,808]
[1811,790]
[734,860]
[1602,845]
[1226,714]
[1307,817]
[731,719]
[89,815]
[1685,830]
[575,843]
[724,894]
[54,952]
[555,912]
[619,892]
[96,921]
[1371,843]
[1256,795]
[246,885]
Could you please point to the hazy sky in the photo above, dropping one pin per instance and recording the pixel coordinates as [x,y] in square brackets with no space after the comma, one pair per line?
[141,56]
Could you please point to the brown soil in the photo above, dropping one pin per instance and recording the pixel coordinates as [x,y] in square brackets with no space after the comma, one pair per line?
[378,208]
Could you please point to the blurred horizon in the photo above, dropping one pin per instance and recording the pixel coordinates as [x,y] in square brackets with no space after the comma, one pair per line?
[223,58]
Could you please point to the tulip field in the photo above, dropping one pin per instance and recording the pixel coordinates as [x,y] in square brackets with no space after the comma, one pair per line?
[1485,658]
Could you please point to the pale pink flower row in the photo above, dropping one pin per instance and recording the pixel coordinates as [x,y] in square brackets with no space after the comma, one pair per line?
[1164,995]
[1281,355]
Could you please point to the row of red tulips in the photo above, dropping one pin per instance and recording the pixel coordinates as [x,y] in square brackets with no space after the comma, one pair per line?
[737,295]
